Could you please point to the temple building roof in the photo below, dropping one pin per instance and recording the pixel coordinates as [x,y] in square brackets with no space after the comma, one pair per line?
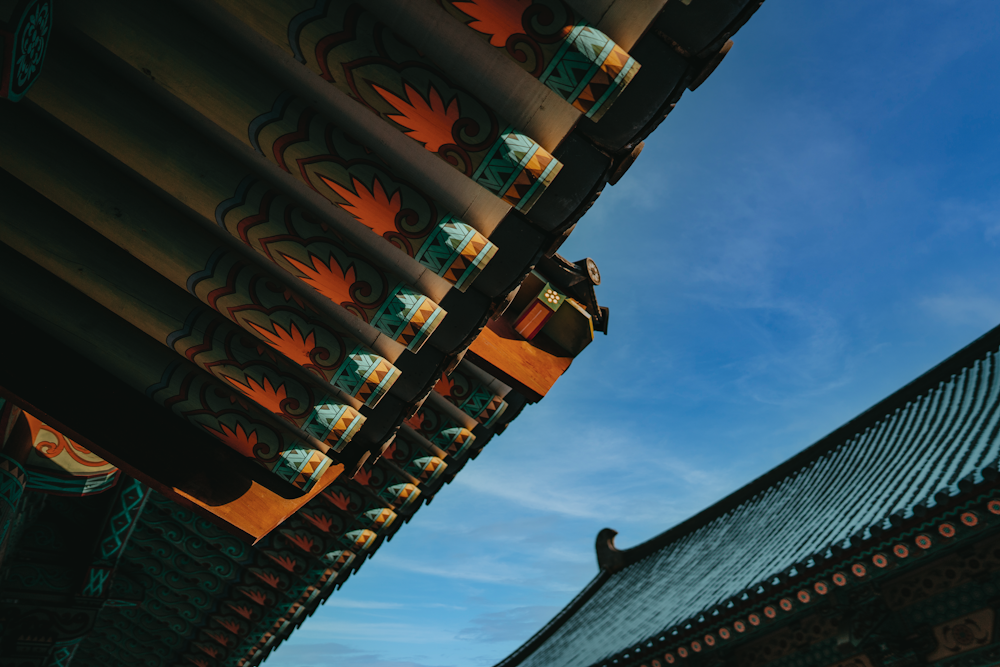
[903,478]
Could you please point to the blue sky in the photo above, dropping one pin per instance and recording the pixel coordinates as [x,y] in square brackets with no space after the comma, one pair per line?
[817,225]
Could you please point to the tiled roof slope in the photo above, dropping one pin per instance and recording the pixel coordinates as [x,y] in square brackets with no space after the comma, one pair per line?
[931,440]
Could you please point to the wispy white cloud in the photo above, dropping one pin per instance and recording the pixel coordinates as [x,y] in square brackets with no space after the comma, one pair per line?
[346,603]
[340,627]
[331,654]
[507,625]
[481,568]
[979,309]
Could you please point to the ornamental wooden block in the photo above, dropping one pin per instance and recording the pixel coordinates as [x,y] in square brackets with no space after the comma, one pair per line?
[24,40]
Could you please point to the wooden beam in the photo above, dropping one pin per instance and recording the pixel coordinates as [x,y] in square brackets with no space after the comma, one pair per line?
[525,365]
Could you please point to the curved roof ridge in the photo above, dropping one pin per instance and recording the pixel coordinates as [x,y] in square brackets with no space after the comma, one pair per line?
[525,649]
[936,375]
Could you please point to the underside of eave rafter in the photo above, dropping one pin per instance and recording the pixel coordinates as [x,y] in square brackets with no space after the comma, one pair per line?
[245,244]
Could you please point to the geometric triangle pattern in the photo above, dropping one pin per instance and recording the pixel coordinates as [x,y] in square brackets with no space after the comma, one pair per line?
[516,169]
[401,495]
[12,482]
[377,519]
[575,60]
[300,467]
[359,540]
[456,252]
[427,469]
[591,72]
[408,317]
[366,376]
[334,424]
[440,429]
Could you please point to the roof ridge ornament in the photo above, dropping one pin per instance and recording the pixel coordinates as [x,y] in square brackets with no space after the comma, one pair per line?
[609,558]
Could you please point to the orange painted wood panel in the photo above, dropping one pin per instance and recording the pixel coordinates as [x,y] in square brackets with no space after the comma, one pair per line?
[527,366]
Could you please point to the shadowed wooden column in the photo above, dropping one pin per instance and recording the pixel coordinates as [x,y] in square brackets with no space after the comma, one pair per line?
[188,256]
[140,362]
[352,50]
[106,273]
[474,392]
[163,149]
[552,43]
[261,113]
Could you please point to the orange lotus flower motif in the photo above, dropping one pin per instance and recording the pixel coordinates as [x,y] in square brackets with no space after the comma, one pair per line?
[210,650]
[268,578]
[229,624]
[242,610]
[327,278]
[265,395]
[444,385]
[373,208]
[390,452]
[257,596]
[218,636]
[292,342]
[239,439]
[286,562]
[302,542]
[324,523]
[416,421]
[341,500]
[427,121]
[497,18]
[362,476]
[290,295]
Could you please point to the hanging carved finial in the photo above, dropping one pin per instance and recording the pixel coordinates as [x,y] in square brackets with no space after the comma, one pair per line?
[609,558]
[25,28]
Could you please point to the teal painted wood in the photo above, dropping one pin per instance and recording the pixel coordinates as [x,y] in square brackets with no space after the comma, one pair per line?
[911,452]
[12,482]
[202,587]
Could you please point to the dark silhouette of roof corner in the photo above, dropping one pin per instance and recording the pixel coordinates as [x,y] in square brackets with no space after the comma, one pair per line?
[922,451]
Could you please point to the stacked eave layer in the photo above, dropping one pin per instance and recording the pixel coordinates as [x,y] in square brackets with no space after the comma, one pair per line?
[289,235]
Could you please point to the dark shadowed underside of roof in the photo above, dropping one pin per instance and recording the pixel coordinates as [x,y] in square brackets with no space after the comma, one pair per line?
[936,433]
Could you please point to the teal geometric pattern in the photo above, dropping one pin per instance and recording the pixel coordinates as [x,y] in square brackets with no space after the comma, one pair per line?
[463,446]
[496,415]
[575,64]
[12,482]
[340,559]
[418,466]
[128,507]
[450,440]
[476,267]
[397,311]
[505,161]
[442,248]
[325,417]
[583,52]
[478,401]
[97,581]
[378,519]
[360,539]
[71,486]
[62,653]
[355,372]
[298,462]
[393,493]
